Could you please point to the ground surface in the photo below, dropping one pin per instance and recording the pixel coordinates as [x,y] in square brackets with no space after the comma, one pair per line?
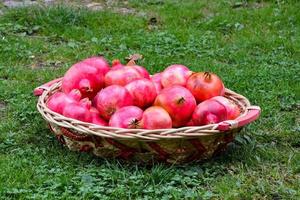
[253,46]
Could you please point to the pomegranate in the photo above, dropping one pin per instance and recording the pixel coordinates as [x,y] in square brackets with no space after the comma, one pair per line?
[209,112]
[156,117]
[112,98]
[116,64]
[96,119]
[86,78]
[98,62]
[122,76]
[94,101]
[142,71]
[190,123]
[175,75]
[178,102]
[205,85]
[126,117]
[142,91]
[86,103]
[232,109]
[79,110]
[59,100]
[156,79]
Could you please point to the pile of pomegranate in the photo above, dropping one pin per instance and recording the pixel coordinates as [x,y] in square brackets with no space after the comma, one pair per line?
[126,96]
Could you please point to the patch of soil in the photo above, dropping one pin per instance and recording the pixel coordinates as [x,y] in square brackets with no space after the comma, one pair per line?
[251,5]
[16,3]
[95,6]
[46,64]
[113,5]
[124,10]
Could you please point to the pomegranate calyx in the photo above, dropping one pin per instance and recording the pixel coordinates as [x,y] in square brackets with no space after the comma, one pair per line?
[85,85]
[207,75]
[110,111]
[135,123]
[116,62]
[181,100]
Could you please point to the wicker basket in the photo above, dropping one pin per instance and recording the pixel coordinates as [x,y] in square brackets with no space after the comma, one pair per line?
[169,145]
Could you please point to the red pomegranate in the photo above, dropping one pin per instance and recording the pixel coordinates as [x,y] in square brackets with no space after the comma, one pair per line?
[190,123]
[142,91]
[96,119]
[156,79]
[141,70]
[59,100]
[122,76]
[116,64]
[178,102]
[209,112]
[156,117]
[126,117]
[79,110]
[94,101]
[86,78]
[205,85]
[112,98]
[98,62]
[232,109]
[175,75]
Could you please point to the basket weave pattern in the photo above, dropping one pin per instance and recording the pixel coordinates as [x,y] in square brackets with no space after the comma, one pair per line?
[178,145]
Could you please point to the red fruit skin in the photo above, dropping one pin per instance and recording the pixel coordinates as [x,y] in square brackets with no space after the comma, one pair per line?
[86,103]
[204,85]
[79,110]
[96,119]
[116,64]
[59,100]
[112,98]
[98,62]
[190,123]
[232,109]
[142,91]
[175,75]
[209,112]
[178,102]
[94,101]
[75,94]
[156,79]
[126,117]
[156,117]
[122,76]
[86,78]
[142,71]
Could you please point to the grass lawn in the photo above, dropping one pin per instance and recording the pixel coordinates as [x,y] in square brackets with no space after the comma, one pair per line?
[253,46]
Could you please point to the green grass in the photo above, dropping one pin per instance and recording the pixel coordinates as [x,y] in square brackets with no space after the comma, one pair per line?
[254,47]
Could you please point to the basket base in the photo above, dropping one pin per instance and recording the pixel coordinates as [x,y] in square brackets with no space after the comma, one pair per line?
[169,150]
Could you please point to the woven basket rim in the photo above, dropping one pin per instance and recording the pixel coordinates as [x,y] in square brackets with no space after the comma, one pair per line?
[85,128]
